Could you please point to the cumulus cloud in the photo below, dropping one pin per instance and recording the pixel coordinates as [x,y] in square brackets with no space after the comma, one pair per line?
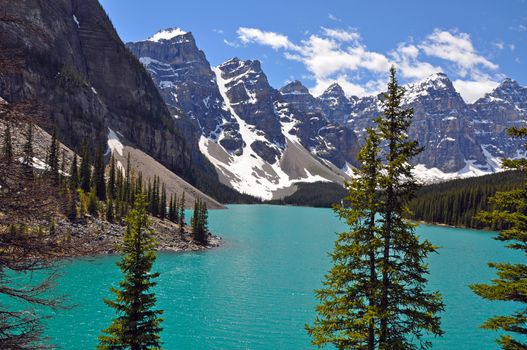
[339,55]
[456,48]
[272,39]
[341,34]
[406,59]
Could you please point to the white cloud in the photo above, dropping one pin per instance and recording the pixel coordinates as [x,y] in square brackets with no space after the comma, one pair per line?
[272,39]
[231,43]
[339,55]
[471,90]
[456,48]
[499,45]
[406,58]
[334,18]
[341,34]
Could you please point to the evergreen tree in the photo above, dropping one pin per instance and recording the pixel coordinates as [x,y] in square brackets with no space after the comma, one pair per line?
[171,208]
[163,203]
[27,161]
[53,159]
[137,326]
[62,169]
[92,202]
[406,309]
[109,210]
[111,179]
[375,295]
[74,174]
[98,174]
[128,180]
[199,222]
[510,208]
[85,169]
[182,214]
[7,148]
[349,302]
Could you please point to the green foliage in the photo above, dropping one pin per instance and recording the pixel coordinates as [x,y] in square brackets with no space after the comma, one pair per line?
[199,222]
[93,204]
[349,302]
[509,209]
[316,194]
[375,295]
[74,174]
[181,215]
[457,202]
[98,180]
[85,169]
[138,325]
[53,160]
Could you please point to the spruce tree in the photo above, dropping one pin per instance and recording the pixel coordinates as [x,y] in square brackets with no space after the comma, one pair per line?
[509,209]
[406,308]
[111,179]
[138,324]
[128,180]
[74,175]
[375,295]
[53,159]
[93,205]
[163,202]
[171,208]
[98,174]
[181,215]
[85,169]
[7,148]
[27,161]
[62,169]
[348,311]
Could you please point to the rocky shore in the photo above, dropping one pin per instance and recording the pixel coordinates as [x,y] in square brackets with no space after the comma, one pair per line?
[92,236]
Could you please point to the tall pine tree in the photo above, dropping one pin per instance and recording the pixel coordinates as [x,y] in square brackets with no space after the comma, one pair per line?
[138,325]
[53,159]
[349,302]
[406,308]
[375,295]
[74,174]
[98,174]
[509,208]
[85,169]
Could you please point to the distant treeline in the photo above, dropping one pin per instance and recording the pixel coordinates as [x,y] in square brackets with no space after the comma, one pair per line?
[317,194]
[456,202]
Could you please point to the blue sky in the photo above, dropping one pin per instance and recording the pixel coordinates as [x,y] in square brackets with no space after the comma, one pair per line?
[476,43]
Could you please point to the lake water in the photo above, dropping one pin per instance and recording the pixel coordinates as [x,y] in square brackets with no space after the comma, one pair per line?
[256,292]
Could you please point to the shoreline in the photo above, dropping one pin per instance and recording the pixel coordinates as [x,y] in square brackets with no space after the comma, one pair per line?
[96,237]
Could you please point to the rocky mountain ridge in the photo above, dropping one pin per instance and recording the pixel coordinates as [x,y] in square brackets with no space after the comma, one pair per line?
[249,130]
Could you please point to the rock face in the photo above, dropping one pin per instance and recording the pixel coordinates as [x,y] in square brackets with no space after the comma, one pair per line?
[250,131]
[503,108]
[64,62]
[242,128]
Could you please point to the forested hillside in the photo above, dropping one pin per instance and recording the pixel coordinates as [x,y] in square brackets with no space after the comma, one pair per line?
[456,202]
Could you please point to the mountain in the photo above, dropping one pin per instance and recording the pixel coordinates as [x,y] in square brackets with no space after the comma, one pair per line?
[265,141]
[504,107]
[64,66]
[255,136]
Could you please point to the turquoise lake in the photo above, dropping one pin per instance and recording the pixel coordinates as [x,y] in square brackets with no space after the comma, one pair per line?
[256,292]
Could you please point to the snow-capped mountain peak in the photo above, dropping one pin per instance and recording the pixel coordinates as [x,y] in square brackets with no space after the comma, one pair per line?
[167,34]
[334,90]
[295,88]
